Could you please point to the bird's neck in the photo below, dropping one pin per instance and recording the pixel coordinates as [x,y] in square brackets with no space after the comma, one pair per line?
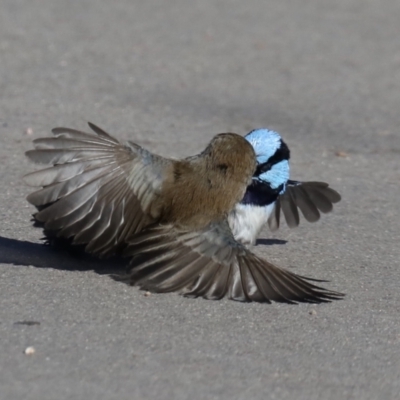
[260,193]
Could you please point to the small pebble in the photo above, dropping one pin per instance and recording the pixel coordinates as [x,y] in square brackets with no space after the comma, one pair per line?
[341,154]
[29,131]
[30,350]
[312,312]
[147,294]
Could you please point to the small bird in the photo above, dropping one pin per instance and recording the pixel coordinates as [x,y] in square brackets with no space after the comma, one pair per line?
[271,191]
[170,216]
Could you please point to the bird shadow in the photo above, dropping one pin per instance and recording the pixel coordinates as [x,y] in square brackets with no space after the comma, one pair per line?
[70,258]
[19,252]
[270,242]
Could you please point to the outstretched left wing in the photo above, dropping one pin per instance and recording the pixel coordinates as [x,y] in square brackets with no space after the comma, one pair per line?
[97,192]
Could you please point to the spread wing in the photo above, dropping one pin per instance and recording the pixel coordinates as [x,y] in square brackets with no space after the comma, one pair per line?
[311,198]
[97,191]
[211,264]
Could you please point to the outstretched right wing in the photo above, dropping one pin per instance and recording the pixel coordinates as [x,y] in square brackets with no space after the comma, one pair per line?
[97,191]
[209,263]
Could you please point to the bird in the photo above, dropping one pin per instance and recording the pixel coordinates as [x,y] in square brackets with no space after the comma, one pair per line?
[271,191]
[170,216]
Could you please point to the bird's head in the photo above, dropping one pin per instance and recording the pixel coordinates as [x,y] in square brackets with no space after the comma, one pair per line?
[272,158]
[232,156]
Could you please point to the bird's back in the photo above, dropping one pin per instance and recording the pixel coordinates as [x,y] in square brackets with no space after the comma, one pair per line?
[207,187]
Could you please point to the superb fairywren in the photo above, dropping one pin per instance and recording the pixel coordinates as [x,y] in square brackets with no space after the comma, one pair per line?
[271,191]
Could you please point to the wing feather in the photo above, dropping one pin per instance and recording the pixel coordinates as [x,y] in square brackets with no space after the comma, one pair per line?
[97,191]
[166,259]
[311,198]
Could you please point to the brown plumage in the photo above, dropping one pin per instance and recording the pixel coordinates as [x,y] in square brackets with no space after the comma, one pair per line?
[170,216]
[206,187]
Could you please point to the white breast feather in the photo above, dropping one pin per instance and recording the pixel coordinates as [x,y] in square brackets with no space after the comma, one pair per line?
[247,220]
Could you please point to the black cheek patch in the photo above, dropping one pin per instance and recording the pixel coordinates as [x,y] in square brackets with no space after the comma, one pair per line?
[283,153]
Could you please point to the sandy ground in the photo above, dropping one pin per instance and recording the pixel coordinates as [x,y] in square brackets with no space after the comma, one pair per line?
[170,75]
